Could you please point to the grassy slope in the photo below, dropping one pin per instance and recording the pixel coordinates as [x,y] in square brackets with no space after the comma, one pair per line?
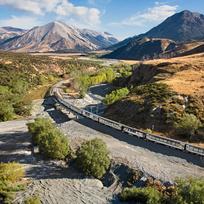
[25,77]
[183,75]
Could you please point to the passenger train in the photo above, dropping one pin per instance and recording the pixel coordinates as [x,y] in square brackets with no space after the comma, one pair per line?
[132,131]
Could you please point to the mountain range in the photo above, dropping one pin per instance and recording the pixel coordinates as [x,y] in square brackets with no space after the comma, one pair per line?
[180,28]
[57,36]
[10,32]
[166,39]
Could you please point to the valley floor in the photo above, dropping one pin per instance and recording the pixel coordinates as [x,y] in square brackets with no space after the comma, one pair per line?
[56,183]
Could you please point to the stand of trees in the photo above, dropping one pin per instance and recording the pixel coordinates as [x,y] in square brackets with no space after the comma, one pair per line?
[116,95]
[84,81]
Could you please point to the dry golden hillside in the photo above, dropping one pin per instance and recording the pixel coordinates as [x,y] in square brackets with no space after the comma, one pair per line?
[188,78]
[187,73]
[162,91]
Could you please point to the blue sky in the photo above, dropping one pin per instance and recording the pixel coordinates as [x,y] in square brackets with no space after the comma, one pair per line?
[122,18]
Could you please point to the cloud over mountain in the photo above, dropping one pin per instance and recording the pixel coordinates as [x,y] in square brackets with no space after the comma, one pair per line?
[59,8]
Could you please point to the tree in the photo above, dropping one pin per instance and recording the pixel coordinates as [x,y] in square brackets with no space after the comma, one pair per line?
[93,158]
[187,125]
[188,191]
[116,95]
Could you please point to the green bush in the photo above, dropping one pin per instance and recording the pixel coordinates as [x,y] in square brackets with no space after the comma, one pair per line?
[6,111]
[116,95]
[147,195]
[186,191]
[38,129]
[33,200]
[190,191]
[12,172]
[93,159]
[10,181]
[52,143]
[154,92]
[187,125]
[22,109]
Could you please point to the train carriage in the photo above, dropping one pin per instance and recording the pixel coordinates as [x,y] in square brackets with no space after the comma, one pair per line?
[110,123]
[194,149]
[133,131]
[90,115]
[169,142]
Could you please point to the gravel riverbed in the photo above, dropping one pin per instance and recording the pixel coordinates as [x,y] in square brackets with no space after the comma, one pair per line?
[57,184]
[158,165]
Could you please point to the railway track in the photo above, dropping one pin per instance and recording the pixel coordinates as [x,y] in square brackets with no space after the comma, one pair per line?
[124,128]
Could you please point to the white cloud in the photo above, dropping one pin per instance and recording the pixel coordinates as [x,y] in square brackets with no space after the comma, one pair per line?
[25,5]
[155,14]
[90,16]
[25,22]
[58,7]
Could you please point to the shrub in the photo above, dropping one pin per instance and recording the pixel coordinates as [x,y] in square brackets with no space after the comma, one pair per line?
[33,200]
[11,172]
[190,191]
[154,92]
[52,143]
[6,111]
[147,195]
[187,125]
[116,95]
[22,109]
[10,178]
[38,129]
[92,158]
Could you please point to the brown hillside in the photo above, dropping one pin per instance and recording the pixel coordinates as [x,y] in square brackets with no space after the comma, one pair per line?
[161,92]
[187,74]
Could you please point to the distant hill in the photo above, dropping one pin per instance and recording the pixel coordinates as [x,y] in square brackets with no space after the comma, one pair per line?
[181,27]
[145,48]
[57,36]
[10,32]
